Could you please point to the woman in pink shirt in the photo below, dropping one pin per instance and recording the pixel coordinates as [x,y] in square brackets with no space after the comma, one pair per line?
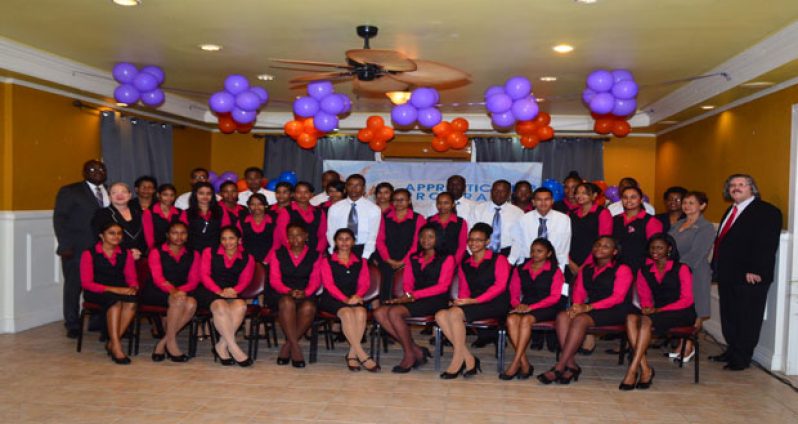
[300,210]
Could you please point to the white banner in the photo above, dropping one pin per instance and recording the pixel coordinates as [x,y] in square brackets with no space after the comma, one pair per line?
[425,180]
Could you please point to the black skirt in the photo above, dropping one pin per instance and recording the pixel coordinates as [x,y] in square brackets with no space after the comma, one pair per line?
[151,295]
[332,305]
[611,316]
[205,297]
[494,308]
[665,320]
[107,299]
[427,306]
[550,313]
[272,299]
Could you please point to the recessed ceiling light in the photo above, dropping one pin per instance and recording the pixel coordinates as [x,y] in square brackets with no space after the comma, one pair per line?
[757,84]
[210,47]
[668,122]
[127,2]
[563,48]
[586,1]
[265,77]
[708,107]
[548,79]
[540,99]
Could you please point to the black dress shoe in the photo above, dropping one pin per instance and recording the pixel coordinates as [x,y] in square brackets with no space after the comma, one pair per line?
[646,384]
[72,333]
[282,361]
[121,361]
[473,371]
[507,377]
[526,375]
[733,366]
[246,362]
[298,364]
[451,376]
[723,357]
[398,369]
[226,362]
[158,357]
[176,358]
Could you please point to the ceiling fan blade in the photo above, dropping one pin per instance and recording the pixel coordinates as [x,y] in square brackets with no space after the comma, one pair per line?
[389,60]
[379,85]
[431,73]
[312,63]
[320,76]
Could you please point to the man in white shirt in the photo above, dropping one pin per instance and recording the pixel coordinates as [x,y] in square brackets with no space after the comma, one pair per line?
[197,175]
[327,178]
[616,208]
[254,178]
[358,214]
[501,215]
[542,222]
[456,185]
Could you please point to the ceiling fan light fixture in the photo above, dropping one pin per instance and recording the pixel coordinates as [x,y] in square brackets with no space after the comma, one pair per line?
[398,97]
[563,48]
[266,77]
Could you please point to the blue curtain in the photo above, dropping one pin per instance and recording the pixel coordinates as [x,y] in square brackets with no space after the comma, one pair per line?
[132,147]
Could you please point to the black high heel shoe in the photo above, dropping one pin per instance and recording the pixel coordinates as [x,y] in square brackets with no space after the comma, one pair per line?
[451,376]
[525,376]
[174,358]
[375,368]
[282,361]
[574,375]
[298,364]
[398,369]
[157,357]
[473,371]
[645,385]
[507,377]
[245,363]
[226,362]
[627,387]
[545,380]
[121,361]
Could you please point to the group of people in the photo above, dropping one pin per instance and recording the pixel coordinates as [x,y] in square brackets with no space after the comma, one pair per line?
[520,258]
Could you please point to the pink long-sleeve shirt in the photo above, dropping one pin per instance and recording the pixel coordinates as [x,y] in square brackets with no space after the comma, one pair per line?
[276,275]
[623,281]
[604,219]
[87,269]
[554,294]
[685,287]
[444,278]
[327,280]
[382,242]
[148,227]
[284,218]
[206,269]
[156,269]
[501,273]
[653,226]
[462,237]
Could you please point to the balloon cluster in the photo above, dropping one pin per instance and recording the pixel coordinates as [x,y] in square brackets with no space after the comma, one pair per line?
[322,104]
[534,131]
[303,132]
[135,84]
[238,104]
[512,102]
[376,134]
[601,198]
[612,194]
[611,97]
[610,123]
[286,176]
[450,135]
[421,107]
[556,187]
[218,180]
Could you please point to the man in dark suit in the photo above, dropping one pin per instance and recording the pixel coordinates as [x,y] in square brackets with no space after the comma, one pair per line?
[743,262]
[75,205]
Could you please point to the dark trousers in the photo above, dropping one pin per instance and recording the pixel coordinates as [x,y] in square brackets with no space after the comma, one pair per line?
[742,308]
[72,289]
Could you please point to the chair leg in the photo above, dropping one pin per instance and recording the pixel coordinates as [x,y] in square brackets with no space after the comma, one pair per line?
[136,333]
[438,343]
[314,342]
[130,340]
[82,320]
[254,335]
[380,337]
[682,352]
[622,350]
[502,337]
[192,332]
[697,357]
[273,326]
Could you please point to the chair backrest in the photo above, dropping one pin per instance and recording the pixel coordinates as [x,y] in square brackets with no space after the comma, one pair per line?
[398,287]
[143,272]
[255,286]
[375,280]
[455,287]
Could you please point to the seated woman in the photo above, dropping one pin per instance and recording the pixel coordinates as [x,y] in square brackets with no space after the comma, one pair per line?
[156,219]
[312,218]
[175,273]
[599,299]
[345,278]
[536,296]
[397,239]
[665,289]
[482,294]
[427,277]
[108,277]
[257,228]
[294,278]
[225,272]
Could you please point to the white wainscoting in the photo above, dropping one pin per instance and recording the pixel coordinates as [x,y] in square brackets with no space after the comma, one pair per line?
[30,272]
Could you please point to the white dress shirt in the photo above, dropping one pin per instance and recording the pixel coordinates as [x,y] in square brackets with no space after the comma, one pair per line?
[740,208]
[319,199]
[106,198]
[368,223]
[465,209]
[510,216]
[617,208]
[244,196]
[558,226]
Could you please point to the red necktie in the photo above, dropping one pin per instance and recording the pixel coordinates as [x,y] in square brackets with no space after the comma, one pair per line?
[723,231]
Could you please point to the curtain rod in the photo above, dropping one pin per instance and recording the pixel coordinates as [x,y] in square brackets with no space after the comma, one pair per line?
[82,105]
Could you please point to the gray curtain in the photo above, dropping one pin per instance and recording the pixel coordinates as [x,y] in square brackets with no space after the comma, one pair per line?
[283,154]
[132,147]
[559,156]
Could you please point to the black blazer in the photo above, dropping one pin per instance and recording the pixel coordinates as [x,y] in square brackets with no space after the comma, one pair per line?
[133,237]
[750,245]
[75,206]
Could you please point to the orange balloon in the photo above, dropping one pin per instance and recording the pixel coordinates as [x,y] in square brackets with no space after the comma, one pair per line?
[525,127]
[601,184]
[456,140]
[293,128]
[375,122]
[242,185]
[545,133]
[530,141]
[621,128]
[603,126]
[307,126]
[543,119]
[378,145]
[306,140]
[442,129]
[226,124]
[439,145]
[245,128]
[460,124]
[365,135]
[385,133]
[264,182]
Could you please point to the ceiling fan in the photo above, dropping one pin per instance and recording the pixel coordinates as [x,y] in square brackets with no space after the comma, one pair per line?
[378,70]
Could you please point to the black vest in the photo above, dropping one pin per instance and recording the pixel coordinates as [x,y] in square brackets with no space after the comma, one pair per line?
[107,274]
[223,276]
[599,287]
[160,226]
[631,240]
[176,272]
[346,278]
[479,279]
[202,233]
[450,235]
[669,290]
[428,276]
[399,236]
[533,291]
[584,232]
[312,227]
[258,244]
[296,277]
[236,217]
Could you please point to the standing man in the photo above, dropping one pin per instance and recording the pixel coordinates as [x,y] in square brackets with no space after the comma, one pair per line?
[197,175]
[617,207]
[327,178]
[743,263]
[358,214]
[546,223]
[254,178]
[75,206]
[501,215]
[456,185]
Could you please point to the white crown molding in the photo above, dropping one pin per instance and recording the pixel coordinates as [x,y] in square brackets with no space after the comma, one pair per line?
[768,54]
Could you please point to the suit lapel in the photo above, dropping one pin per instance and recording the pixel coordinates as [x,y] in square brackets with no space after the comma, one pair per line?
[90,196]
[743,217]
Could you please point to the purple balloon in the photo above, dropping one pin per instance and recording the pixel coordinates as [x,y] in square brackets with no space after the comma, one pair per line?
[503,120]
[602,103]
[332,104]
[325,122]
[625,89]
[498,103]
[404,115]
[518,87]
[525,109]
[306,106]
[624,107]
[600,81]
[587,95]
[242,116]
[320,89]
[212,176]
[429,117]
[345,100]
[126,93]
[494,89]
[247,100]
[619,75]
[612,193]
[262,94]
[145,82]
[222,102]
[423,97]
[235,84]
[155,71]
[224,177]
[645,198]
[124,72]
[153,98]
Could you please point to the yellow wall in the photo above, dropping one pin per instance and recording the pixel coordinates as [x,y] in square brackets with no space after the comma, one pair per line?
[753,138]
[631,157]
[6,177]
[236,152]
[191,148]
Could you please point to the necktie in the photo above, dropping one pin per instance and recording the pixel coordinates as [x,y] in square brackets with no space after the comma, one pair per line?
[543,232]
[496,236]
[351,222]
[99,194]
[723,231]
